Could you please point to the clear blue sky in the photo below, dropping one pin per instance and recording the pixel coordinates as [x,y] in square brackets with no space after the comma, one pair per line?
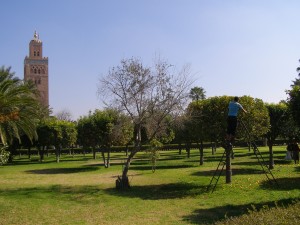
[233,47]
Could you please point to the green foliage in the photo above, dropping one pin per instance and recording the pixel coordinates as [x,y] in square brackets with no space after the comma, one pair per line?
[207,119]
[4,155]
[257,119]
[52,131]
[104,128]
[153,152]
[296,82]
[197,93]
[294,103]
[278,114]
[19,109]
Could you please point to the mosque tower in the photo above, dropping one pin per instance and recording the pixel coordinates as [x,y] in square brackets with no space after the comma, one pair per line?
[36,68]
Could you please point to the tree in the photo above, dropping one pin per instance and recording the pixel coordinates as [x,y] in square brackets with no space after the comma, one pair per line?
[290,129]
[64,115]
[117,129]
[69,134]
[197,93]
[148,95]
[57,133]
[278,114]
[293,100]
[87,135]
[104,129]
[45,136]
[294,103]
[256,120]
[296,82]
[211,115]
[19,108]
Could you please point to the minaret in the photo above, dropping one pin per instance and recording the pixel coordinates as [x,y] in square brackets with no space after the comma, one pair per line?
[36,68]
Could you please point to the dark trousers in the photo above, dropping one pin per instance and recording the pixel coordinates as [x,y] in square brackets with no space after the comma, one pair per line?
[231,125]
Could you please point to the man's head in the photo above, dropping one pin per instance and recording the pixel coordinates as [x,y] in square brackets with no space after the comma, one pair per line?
[236,99]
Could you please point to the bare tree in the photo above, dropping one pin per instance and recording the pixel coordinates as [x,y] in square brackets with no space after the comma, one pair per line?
[148,95]
[64,115]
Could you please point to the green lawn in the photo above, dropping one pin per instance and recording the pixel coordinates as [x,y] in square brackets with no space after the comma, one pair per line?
[80,190]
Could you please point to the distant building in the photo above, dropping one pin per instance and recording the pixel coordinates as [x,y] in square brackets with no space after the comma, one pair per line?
[36,68]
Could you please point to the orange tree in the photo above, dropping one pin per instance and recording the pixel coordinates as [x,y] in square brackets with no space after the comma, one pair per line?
[57,133]
[104,129]
[279,117]
[209,118]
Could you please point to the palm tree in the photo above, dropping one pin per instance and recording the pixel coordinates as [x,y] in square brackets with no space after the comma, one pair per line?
[197,93]
[19,108]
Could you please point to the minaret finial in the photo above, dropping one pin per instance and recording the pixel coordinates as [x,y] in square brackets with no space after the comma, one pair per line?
[35,35]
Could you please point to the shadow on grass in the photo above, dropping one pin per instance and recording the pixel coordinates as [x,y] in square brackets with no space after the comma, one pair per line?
[248,163]
[160,167]
[235,171]
[178,157]
[283,162]
[212,215]
[161,191]
[47,160]
[206,159]
[150,192]
[284,184]
[29,162]
[82,194]
[63,170]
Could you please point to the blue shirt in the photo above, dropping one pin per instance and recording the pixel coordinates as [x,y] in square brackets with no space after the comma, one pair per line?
[233,108]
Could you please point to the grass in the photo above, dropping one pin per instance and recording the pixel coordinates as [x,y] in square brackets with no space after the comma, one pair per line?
[80,190]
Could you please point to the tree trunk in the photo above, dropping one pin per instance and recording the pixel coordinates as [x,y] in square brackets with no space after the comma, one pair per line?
[249,146]
[201,153]
[29,153]
[12,150]
[103,158]
[39,151]
[213,148]
[123,182]
[188,150]
[94,152]
[228,165]
[42,154]
[57,153]
[108,157]
[271,158]
[180,149]
[72,147]
[106,160]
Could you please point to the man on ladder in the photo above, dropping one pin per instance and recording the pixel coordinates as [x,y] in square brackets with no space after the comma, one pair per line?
[233,110]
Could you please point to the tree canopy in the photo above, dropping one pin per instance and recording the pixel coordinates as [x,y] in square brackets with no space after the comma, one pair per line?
[19,108]
[210,115]
[197,93]
[148,95]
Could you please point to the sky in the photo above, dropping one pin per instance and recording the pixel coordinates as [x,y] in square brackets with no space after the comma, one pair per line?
[234,47]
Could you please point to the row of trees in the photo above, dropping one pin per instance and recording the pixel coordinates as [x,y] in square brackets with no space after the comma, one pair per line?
[144,105]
